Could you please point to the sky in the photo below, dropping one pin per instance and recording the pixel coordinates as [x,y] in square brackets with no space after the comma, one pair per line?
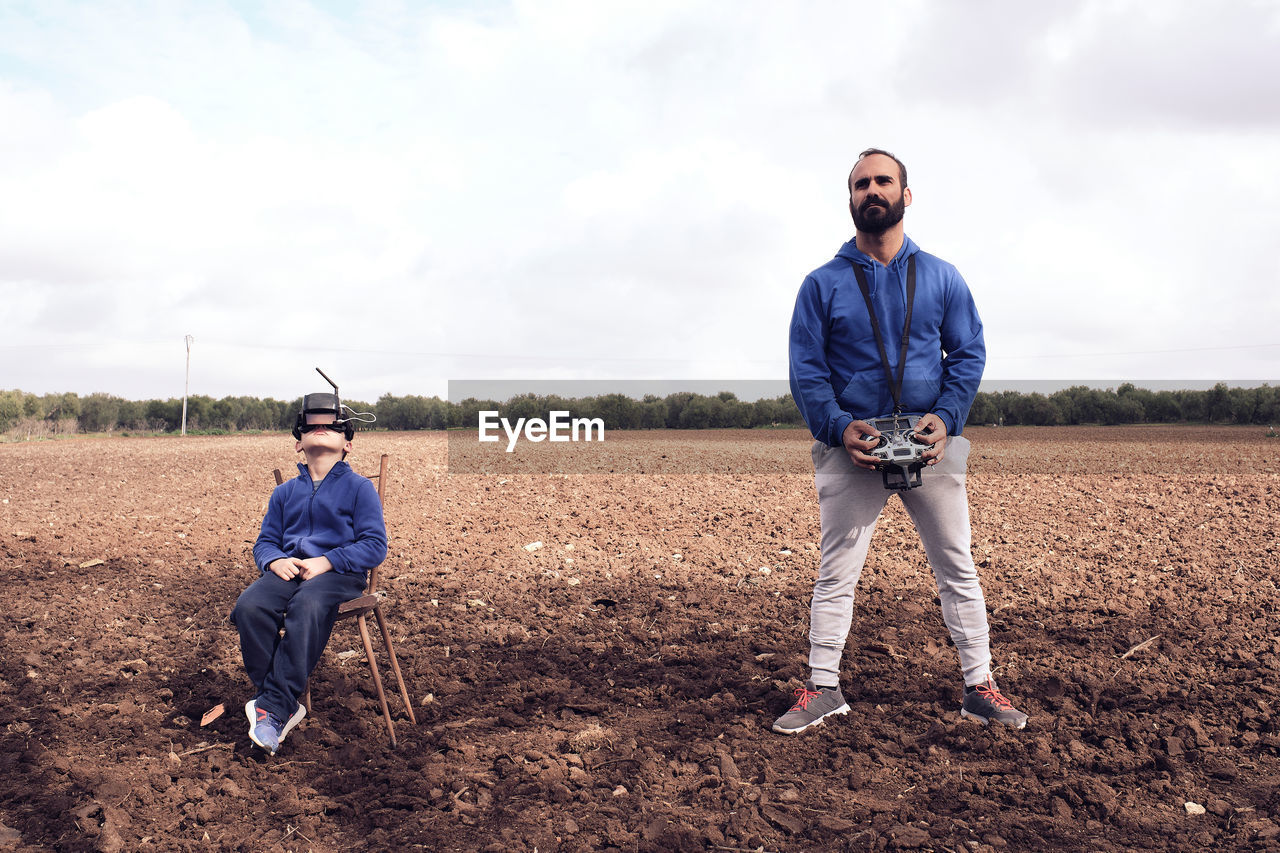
[411,193]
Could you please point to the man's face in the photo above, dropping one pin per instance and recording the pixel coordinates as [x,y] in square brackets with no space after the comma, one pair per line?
[323,440]
[877,198]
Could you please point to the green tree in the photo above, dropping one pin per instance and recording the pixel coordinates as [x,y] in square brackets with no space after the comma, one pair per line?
[164,414]
[33,406]
[1121,410]
[132,415]
[1268,411]
[696,413]
[61,406]
[779,411]
[1032,410]
[653,412]
[1078,404]
[10,409]
[256,414]
[467,413]
[99,412]
[1164,408]
[199,412]
[1218,403]
[676,404]
[224,414]
[984,410]
[388,411]
[1244,405]
[1193,405]
[1143,398]
[525,406]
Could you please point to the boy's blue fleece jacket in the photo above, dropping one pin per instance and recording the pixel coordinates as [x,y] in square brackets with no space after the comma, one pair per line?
[836,372]
[341,520]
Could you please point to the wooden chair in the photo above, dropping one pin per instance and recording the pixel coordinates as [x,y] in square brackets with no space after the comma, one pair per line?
[359,609]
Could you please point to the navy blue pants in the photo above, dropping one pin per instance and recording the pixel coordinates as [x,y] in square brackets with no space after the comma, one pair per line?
[279,666]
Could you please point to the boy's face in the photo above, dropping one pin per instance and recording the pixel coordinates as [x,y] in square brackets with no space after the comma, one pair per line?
[319,442]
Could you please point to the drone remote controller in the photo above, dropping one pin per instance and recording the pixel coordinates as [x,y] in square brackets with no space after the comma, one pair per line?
[899,451]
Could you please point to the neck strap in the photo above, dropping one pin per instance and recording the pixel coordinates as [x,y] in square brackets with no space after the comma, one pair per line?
[895,384]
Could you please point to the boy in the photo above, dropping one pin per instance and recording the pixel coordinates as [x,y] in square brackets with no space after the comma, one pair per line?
[322,533]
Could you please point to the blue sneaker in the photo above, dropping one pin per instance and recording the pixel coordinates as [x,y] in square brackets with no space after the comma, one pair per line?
[266,730]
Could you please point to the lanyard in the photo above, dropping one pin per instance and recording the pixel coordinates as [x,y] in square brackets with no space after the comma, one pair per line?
[895,385]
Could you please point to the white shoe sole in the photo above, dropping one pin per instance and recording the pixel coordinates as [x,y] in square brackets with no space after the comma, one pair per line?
[293,721]
[843,709]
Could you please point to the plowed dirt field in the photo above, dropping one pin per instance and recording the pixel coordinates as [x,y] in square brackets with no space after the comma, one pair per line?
[613,688]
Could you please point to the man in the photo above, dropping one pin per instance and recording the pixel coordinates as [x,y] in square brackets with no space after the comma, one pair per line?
[843,375]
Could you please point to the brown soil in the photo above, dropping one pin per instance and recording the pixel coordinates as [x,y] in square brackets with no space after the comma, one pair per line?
[614,688]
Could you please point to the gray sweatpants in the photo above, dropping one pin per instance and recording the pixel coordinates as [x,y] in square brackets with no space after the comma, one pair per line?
[850,500]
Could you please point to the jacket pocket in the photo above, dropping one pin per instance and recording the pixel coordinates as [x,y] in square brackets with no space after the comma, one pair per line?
[861,395]
[920,390]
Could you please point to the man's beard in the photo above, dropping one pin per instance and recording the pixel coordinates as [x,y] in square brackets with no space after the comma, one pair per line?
[881,218]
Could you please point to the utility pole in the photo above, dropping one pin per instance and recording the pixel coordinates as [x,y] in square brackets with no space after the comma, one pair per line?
[186,387]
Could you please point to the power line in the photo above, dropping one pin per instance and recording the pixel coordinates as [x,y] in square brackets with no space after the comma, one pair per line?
[562,358]
[506,357]
[1139,352]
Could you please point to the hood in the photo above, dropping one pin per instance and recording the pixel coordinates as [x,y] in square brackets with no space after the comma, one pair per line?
[850,252]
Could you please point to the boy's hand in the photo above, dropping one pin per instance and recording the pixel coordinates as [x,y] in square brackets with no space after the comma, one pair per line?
[286,568]
[313,566]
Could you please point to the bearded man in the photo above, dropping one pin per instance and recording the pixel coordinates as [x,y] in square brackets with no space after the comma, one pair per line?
[842,377]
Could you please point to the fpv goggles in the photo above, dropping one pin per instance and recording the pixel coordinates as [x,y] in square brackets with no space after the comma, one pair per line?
[328,404]
[322,404]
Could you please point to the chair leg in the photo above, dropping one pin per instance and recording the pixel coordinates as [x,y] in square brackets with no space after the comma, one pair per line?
[377,679]
[395,664]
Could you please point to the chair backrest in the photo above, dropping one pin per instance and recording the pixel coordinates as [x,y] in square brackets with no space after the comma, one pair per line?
[380,481]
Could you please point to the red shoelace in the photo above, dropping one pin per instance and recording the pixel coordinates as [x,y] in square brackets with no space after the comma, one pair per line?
[988,690]
[804,696]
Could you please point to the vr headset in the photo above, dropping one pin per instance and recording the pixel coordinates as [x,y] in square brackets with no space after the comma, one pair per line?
[329,404]
[323,404]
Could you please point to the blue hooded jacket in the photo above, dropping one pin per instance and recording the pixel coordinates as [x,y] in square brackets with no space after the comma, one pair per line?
[341,519]
[836,372]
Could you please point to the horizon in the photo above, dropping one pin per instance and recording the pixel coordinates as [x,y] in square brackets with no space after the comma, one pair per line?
[520,190]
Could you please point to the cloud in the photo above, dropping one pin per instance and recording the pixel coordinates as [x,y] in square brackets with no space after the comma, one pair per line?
[540,189]
[1180,65]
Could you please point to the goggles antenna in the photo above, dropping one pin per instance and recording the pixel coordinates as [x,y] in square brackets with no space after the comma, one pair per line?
[330,381]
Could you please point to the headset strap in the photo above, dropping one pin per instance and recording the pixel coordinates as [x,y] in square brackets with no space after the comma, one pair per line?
[895,385]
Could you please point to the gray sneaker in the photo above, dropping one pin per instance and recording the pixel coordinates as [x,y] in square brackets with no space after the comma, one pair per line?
[985,703]
[813,705]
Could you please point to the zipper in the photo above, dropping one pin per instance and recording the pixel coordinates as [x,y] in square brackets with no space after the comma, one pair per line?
[311,524]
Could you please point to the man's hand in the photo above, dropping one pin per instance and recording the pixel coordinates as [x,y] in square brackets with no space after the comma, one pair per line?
[285,568]
[313,566]
[931,430]
[857,448]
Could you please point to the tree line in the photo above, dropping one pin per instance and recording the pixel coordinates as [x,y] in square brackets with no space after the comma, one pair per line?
[95,413]
[1128,404]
